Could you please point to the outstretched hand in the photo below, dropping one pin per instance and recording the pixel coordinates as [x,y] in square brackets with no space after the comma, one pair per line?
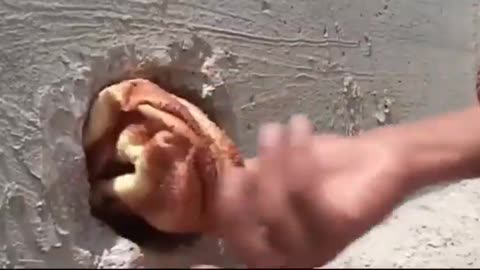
[305,197]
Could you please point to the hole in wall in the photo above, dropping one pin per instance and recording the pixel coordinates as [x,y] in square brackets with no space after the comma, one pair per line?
[107,208]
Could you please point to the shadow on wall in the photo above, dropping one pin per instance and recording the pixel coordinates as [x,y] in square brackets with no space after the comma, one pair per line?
[186,70]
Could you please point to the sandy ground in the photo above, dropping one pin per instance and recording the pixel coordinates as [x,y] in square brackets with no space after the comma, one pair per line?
[437,229]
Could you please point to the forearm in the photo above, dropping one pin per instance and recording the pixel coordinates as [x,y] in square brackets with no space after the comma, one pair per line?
[438,149]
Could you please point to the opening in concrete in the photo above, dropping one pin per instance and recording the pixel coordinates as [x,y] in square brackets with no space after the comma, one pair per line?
[108,207]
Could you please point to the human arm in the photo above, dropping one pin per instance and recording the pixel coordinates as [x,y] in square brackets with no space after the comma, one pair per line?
[437,149]
[300,204]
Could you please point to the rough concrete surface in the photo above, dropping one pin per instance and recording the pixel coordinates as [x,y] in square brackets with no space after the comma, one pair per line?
[350,65]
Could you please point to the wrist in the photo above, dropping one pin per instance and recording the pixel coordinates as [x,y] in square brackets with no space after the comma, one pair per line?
[410,171]
[399,170]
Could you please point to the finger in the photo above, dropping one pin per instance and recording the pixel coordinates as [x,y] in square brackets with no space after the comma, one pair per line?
[299,176]
[302,167]
[238,221]
[291,237]
[272,148]
[300,130]
[271,159]
[284,232]
[271,141]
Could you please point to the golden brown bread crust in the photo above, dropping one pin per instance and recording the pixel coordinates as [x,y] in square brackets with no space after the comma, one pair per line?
[176,151]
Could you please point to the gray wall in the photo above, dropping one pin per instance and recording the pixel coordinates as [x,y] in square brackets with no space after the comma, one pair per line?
[350,65]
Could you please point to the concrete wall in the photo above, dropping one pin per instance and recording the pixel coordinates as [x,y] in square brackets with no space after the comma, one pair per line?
[350,65]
